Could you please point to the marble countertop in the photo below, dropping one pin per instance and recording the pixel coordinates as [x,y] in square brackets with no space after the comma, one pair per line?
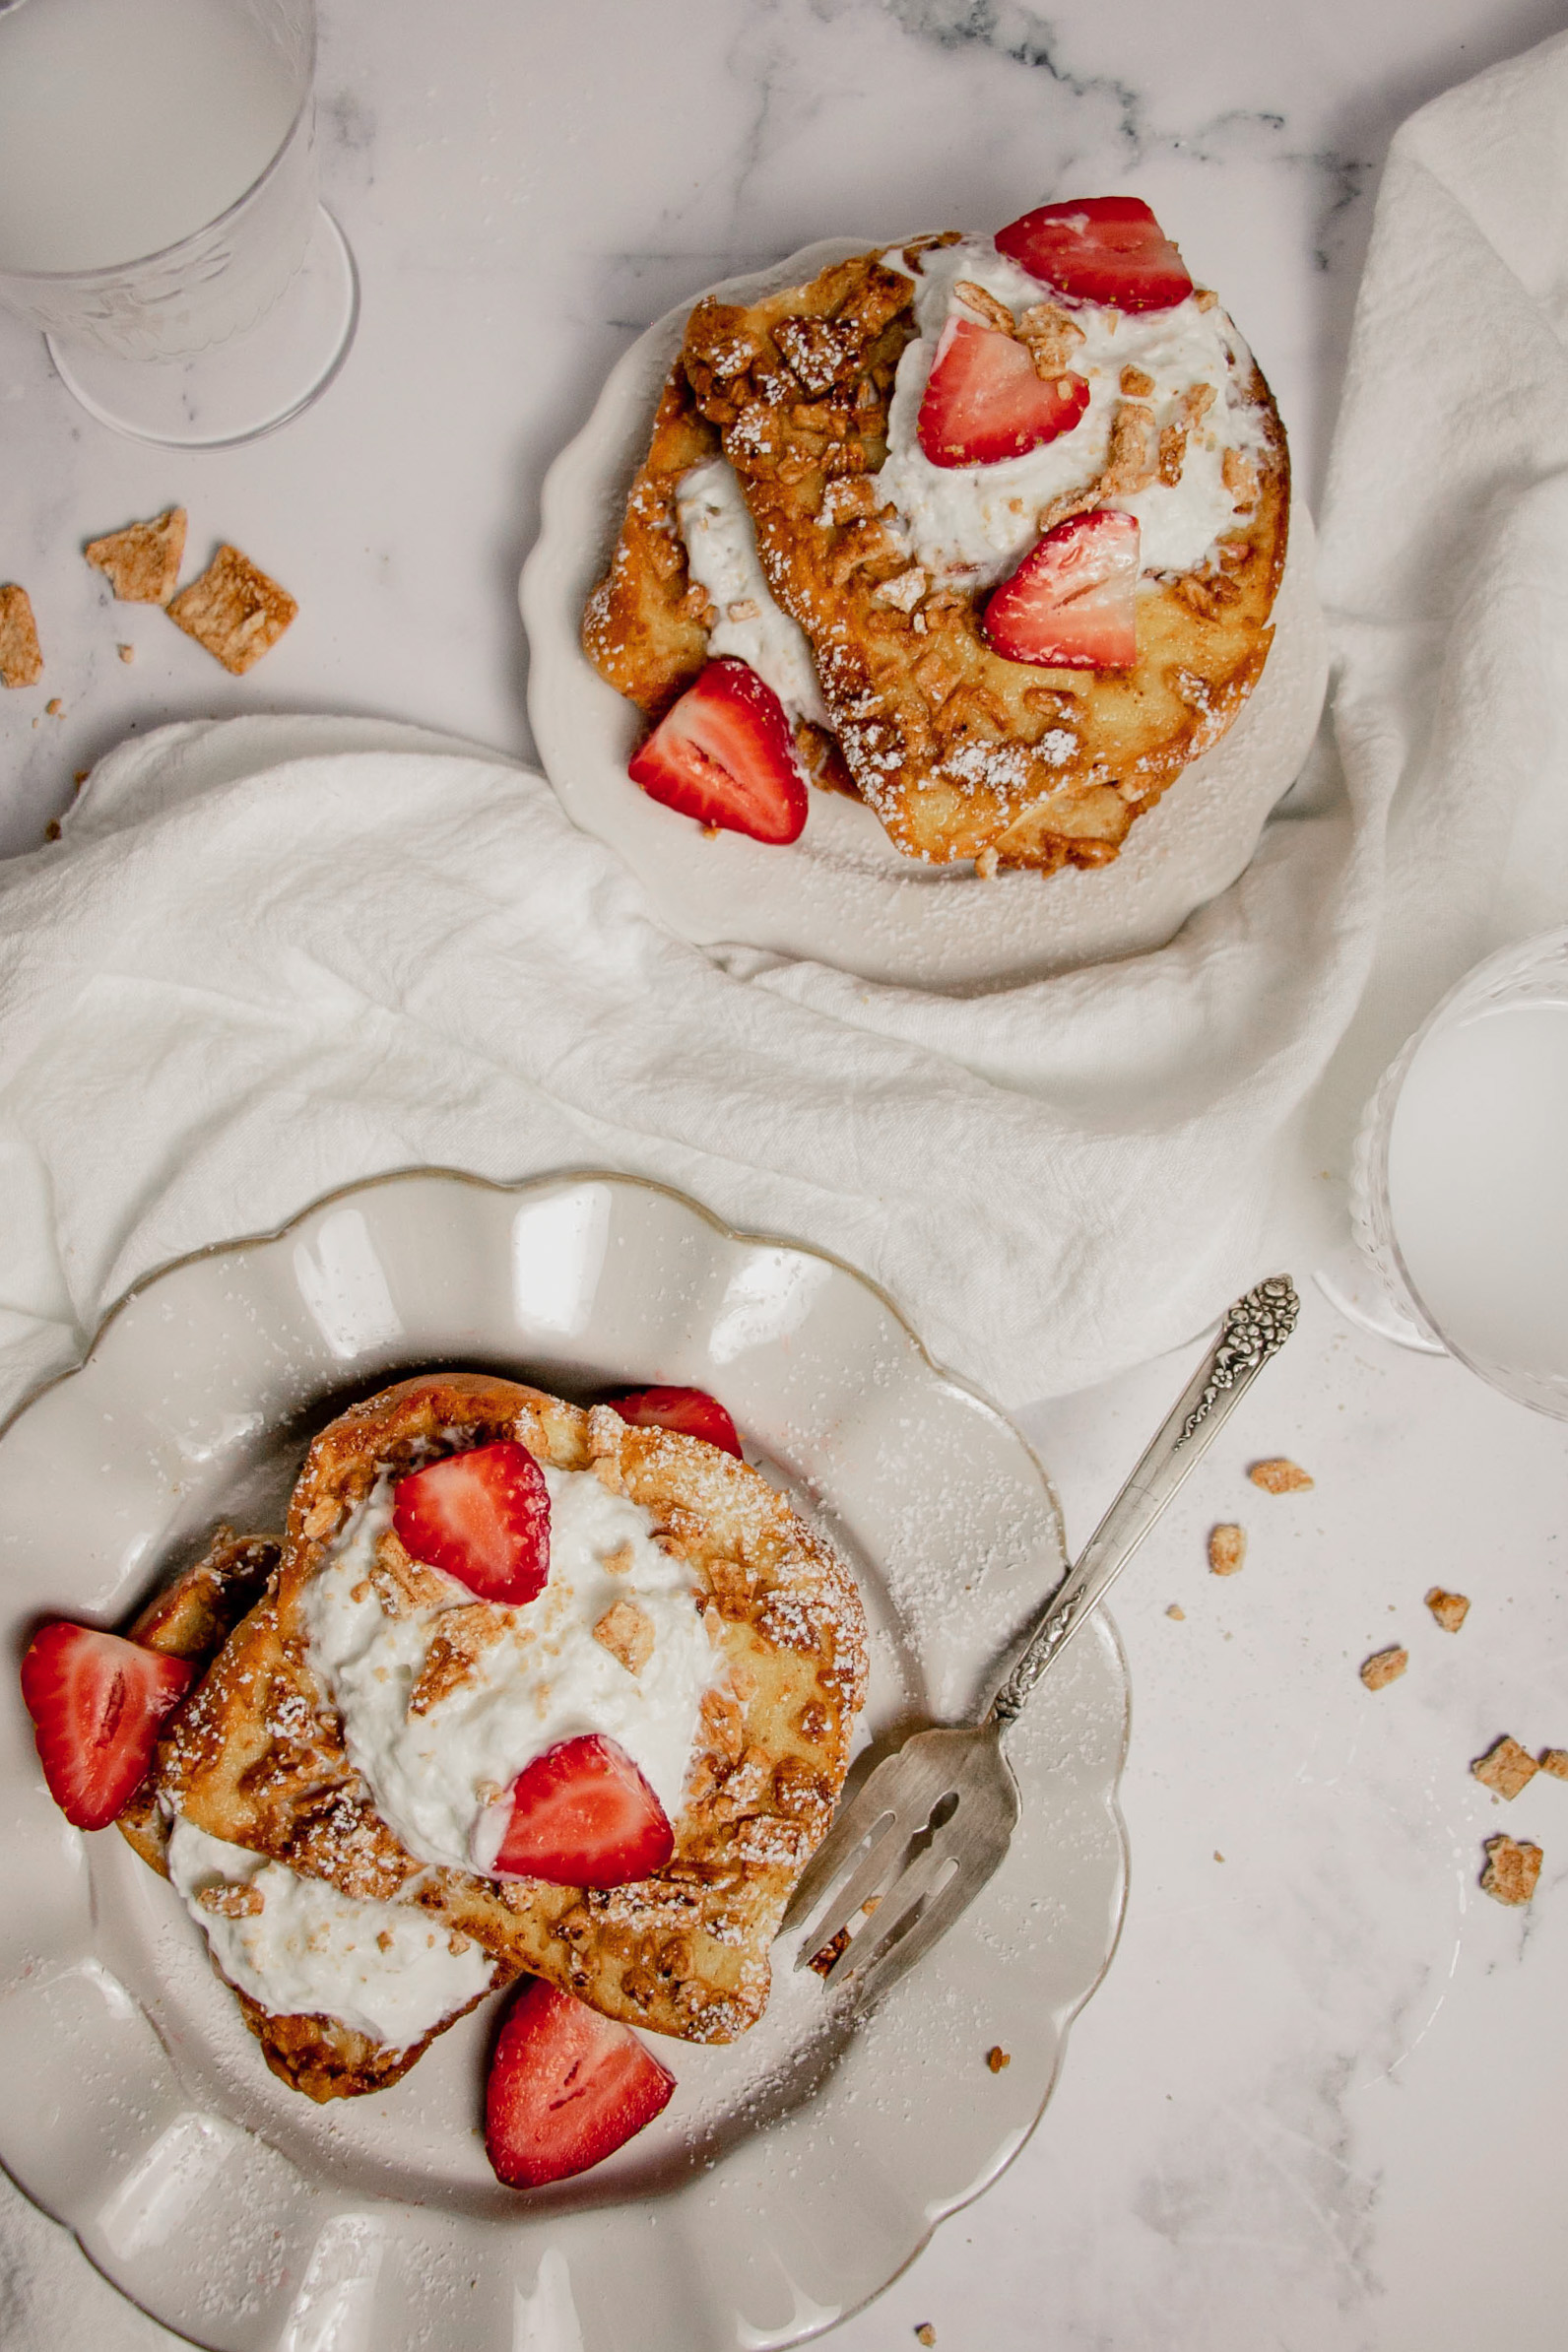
[1313,2105]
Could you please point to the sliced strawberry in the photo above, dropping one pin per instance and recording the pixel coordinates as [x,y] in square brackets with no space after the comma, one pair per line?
[566,2088]
[725,754]
[1072,603]
[1099,249]
[692,1412]
[96,1703]
[482,1516]
[583,1815]
[984,400]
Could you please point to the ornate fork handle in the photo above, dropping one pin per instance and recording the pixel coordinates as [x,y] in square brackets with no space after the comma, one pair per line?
[1256,1327]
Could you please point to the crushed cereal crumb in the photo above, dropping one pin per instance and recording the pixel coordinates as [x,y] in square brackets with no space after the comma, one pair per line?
[1177,1611]
[997,2058]
[1448,1608]
[1384,1668]
[1228,1548]
[1506,1767]
[1555,1761]
[1511,1871]
[21,656]
[1280,1476]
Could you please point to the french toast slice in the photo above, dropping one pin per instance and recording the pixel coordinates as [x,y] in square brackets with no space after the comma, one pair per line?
[258,1755]
[192,1617]
[962,752]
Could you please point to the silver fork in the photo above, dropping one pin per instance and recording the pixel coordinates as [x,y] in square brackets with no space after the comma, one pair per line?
[940,1811]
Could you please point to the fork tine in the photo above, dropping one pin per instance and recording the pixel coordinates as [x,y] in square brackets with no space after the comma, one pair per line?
[867,1810]
[889,1961]
[874,1869]
[907,1892]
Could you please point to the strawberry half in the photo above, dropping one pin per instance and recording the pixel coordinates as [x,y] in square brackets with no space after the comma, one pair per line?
[1072,603]
[725,754]
[691,1412]
[1099,249]
[985,402]
[97,1703]
[484,1517]
[566,2088]
[583,1815]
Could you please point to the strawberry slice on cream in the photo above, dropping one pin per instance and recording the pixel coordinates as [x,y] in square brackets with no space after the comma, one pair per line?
[1071,604]
[985,400]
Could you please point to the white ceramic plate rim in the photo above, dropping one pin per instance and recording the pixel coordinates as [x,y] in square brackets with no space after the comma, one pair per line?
[842,896]
[1100,1800]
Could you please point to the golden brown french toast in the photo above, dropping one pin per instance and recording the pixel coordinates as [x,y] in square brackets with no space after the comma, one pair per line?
[258,1755]
[961,751]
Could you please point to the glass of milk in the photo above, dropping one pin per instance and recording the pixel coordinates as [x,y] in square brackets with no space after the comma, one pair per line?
[159,216]
[1460,1185]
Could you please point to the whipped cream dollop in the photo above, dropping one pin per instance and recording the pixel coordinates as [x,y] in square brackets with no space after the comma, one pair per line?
[721,553]
[299,1948]
[440,1772]
[970,525]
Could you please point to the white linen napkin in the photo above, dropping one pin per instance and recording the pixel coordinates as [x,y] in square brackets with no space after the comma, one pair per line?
[272,957]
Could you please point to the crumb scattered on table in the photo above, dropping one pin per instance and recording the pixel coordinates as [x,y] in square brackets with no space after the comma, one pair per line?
[1448,1608]
[997,2058]
[1280,1476]
[1384,1666]
[1227,1549]
[54,708]
[233,609]
[1177,1611]
[127,653]
[1506,1767]
[925,2333]
[1555,1761]
[20,655]
[1218,1857]
[52,831]
[142,562]
[1511,1870]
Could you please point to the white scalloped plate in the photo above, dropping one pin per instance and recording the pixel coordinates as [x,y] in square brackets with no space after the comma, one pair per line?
[794,2174]
[843,895]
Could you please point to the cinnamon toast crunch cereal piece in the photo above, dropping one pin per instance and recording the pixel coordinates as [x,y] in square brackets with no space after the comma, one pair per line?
[1512,1870]
[1384,1668]
[1448,1608]
[21,655]
[1227,1549]
[142,562]
[233,609]
[1506,1767]
[1280,1476]
[1555,1761]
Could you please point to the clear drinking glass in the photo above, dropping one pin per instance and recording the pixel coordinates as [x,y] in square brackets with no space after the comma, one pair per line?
[1459,1195]
[159,216]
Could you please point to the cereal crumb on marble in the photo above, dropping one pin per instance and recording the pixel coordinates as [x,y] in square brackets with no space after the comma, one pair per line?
[20,655]
[1511,1870]
[1227,1549]
[1555,1761]
[1384,1668]
[1448,1608]
[1506,1767]
[1280,1476]
[997,2058]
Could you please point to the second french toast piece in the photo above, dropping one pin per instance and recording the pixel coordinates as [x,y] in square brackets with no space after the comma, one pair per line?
[192,1617]
[257,1757]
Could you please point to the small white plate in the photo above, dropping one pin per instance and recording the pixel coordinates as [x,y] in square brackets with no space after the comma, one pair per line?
[843,895]
[794,2173]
